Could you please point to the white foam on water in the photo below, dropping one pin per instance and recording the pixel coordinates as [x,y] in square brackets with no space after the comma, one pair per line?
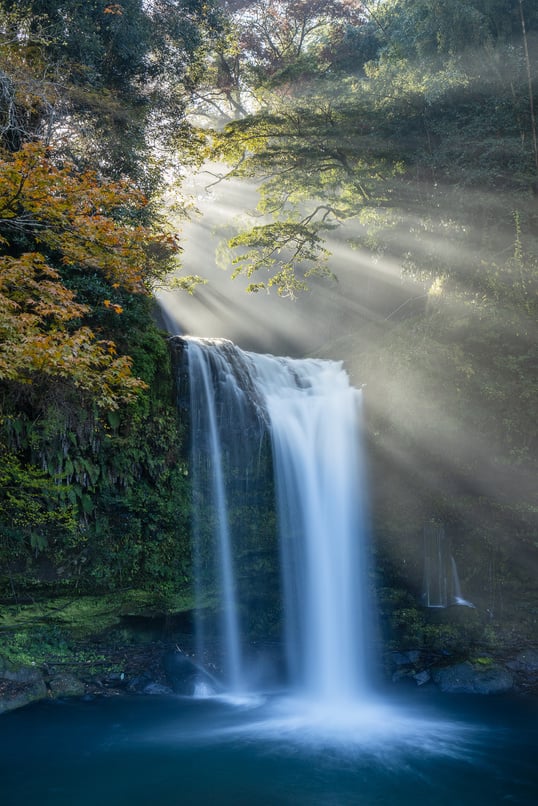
[384,731]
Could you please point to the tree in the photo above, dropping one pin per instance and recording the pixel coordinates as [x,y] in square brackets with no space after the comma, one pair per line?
[82,420]
[91,96]
[415,136]
[287,39]
[51,219]
[112,78]
[417,29]
[271,45]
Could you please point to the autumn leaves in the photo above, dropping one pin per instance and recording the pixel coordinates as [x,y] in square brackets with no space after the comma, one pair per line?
[53,219]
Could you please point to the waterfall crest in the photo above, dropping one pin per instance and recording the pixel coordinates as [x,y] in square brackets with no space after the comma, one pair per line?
[311,414]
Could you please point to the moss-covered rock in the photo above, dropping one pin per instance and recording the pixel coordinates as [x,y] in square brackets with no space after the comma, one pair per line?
[20,685]
[65,684]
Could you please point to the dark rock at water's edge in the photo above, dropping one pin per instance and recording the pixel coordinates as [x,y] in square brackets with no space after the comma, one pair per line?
[479,675]
[525,661]
[151,668]
[524,667]
[145,683]
[19,686]
[124,670]
[469,678]
[185,675]
[65,684]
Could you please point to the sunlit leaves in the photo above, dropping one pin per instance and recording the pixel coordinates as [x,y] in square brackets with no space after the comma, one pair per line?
[321,160]
[288,251]
[186,282]
[82,219]
[402,150]
[52,217]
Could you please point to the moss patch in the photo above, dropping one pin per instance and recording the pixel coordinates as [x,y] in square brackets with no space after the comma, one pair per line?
[58,630]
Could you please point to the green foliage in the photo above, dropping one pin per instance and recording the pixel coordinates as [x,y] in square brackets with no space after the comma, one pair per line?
[61,630]
[32,514]
[265,246]
[482,662]
[430,132]
[110,507]
[118,76]
[422,28]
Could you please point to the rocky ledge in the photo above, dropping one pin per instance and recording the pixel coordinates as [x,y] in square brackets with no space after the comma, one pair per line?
[160,668]
[20,686]
[155,668]
[481,675]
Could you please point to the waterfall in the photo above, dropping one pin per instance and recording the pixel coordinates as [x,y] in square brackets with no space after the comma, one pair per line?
[221,413]
[441,587]
[435,589]
[311,414]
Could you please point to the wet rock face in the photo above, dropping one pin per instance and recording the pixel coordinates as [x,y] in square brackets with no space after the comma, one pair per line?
[525,661]
[65,685]
[184,674]
[524,667]
[20,674]
[467,678]
[20,685]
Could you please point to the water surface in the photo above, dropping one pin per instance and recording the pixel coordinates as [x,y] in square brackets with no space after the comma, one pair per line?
[171,751]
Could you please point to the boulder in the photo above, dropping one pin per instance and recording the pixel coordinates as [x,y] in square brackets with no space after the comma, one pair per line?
[139,683]
[423,677]
[402,674]
[115,680]
[185,675]
[409,658]
[12,698]
[20,674]
[157,688]
[66,685]
[146,683]
[20,685]
[525,661]
[469,678]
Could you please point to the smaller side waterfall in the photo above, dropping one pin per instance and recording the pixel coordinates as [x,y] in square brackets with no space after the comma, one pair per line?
[442,586]
[435,593]
[225,431]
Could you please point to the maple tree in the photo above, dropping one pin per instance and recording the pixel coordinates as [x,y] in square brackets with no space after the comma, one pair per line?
[53,219]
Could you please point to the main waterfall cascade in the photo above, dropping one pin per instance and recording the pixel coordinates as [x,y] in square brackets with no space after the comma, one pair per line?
[251,413]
